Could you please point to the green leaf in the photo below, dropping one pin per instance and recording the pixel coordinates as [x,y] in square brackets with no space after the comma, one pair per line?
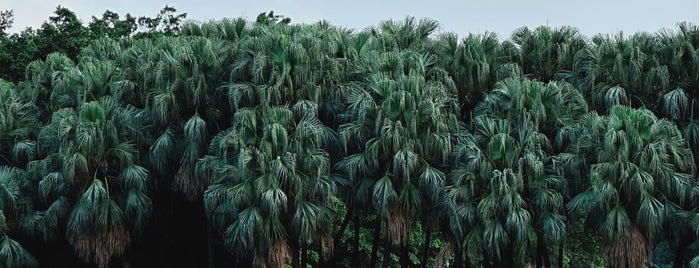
[384,196]
[138,208]
[304,221]
[614,223]
[12,254]
[135,177]
[553,226]
[432,183]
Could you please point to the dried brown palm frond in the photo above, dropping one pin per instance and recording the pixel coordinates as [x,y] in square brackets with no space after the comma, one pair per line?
[259,261]
[327,246]
[190,185]
[398,227]
[111,244]
[84,246]
[279,254]
[442,258]
[100,248]
[628,251]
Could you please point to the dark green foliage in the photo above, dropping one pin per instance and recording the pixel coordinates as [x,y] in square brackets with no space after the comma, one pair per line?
[12,254]
[65,33]
[148,142]
[7,17]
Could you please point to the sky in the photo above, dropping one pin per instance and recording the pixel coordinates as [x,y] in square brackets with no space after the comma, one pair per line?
[462,17]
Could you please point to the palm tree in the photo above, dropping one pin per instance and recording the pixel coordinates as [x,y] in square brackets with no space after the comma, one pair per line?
[553,107]
[398,139]
[18,139]
[678,52]
[475,64]
[638,167]
[511,156]
[408,34]
[81,152]
[185,102]
[547,52]
[271,194]
[227,29]
[17,125]
[13,205]
[52,84]
[272,164]
[486,207]
[617,65]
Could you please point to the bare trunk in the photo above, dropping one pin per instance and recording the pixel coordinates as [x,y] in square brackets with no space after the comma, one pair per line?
[459,256]
[487,262]
[212,250]
[338,238]
[375,246]
[387,252]
[294,244]
[426,246]
[680,255]
[355,256]
[343,225]
[542,253]
[304,254]
[561,247]
[405,255]
[508,259]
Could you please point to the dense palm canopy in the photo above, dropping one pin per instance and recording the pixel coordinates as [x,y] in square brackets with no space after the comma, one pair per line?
[267,144]
[639,169]
[398,138]
[506,192]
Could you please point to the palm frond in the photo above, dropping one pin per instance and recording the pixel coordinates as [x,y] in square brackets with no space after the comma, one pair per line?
[161,150]
[138,209]
[12,254]
[384,196]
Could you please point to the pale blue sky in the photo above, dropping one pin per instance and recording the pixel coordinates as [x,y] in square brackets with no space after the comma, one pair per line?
[462,17]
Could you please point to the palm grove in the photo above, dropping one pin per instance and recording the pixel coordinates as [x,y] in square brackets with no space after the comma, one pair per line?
[262,143]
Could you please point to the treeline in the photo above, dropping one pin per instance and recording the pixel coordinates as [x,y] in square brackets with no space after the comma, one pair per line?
[234,144]
[66,34]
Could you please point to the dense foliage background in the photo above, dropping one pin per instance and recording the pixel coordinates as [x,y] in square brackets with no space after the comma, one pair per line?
[149,142]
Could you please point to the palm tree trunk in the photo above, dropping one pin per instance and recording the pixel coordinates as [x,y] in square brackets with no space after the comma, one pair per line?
[509,259]
[338,236]
[506,259]
[338,243]
[426,246]
[405,255]
[295,258]
[355,256]
[561,247]
[679,261]
[387,253]
[539,258]
[465,261]
[210,240]
[542,254]
[166,223]
[547,257]
[487,262]
[459,256]
[343,225]
[375,243]
[304,254]
[322,261]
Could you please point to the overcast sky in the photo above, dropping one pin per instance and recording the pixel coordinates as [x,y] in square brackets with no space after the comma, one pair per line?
[462,17]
